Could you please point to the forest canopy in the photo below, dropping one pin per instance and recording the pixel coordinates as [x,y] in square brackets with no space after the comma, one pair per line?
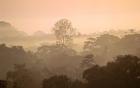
[103,61]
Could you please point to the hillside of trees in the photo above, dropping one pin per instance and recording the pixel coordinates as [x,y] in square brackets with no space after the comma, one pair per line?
[105,61]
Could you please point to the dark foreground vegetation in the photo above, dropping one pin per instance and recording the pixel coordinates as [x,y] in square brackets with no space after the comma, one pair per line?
[124,72]
[106,61]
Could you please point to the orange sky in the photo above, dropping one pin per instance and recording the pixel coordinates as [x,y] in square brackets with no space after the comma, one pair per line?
[86,15]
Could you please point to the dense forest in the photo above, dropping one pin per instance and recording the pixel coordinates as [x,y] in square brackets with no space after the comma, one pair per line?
[105,61]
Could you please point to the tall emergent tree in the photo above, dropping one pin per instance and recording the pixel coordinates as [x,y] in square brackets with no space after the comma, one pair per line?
[64,32]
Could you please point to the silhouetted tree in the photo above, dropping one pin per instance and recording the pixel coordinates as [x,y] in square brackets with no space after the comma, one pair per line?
[13,55]
[124,72]
[64,32]
[103,47]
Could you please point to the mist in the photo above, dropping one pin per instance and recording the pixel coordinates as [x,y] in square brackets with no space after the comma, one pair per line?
[69,44]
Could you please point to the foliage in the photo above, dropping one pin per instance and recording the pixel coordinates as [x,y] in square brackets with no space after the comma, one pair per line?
[107,46]
[61,82]
[21,77]
[64,32]
[124,72]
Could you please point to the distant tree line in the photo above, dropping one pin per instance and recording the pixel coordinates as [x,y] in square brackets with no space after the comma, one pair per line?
[106,46]
[106,61]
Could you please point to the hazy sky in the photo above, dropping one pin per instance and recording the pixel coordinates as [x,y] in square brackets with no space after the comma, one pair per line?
[86,15]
